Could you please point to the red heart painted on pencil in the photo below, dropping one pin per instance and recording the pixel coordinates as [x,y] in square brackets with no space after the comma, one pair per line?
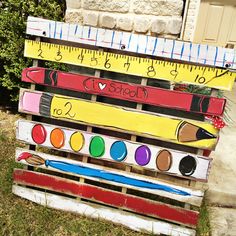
[102,86]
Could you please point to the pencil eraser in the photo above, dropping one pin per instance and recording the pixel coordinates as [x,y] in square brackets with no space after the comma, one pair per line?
[31,101]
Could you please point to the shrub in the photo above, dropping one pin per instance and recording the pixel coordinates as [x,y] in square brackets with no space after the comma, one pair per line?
[13,16]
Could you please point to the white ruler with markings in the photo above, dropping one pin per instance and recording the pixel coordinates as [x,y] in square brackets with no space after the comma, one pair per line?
[138,43]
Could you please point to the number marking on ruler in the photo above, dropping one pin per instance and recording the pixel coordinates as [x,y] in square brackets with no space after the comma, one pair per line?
[156,69]
[138,43]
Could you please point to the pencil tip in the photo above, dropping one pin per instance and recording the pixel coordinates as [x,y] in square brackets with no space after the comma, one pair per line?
[204,134]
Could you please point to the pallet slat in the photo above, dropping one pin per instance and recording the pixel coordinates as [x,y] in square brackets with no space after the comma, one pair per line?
[125,91]
[112,149]
[149,68]
[161,47]
[189,133]
[105,196]
[108,175]
[129,220]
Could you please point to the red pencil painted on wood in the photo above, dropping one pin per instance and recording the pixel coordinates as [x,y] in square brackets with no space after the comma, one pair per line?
[105,196]
[125,91]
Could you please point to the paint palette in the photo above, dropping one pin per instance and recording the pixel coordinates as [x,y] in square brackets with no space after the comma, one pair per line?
[104,147]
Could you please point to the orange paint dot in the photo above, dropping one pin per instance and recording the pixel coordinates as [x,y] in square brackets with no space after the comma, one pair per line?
[57,138]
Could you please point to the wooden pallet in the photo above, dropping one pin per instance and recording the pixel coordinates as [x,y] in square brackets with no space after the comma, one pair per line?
[117,147]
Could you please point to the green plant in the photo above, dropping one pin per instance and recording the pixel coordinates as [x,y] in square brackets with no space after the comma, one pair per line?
[13,16]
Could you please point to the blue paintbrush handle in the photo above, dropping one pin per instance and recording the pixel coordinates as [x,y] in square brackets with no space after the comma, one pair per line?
[91,172]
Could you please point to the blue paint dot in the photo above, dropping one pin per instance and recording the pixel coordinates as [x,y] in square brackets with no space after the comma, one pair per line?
[118,151]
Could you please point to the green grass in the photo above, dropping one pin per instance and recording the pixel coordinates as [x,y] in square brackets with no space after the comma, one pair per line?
[203,228]
[24,218]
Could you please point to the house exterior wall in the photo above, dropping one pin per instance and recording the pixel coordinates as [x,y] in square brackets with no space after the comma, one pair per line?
[191,19]
[153,17]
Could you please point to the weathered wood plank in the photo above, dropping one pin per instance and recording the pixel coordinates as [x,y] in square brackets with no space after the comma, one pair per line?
[112,149]
[125,41]
[189,133]
[125,91]
[129,220]
[108,175]
[108,197]
[150,68]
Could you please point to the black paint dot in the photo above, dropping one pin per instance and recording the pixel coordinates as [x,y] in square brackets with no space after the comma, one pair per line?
[44,33]
[187,165]
[227,65]
[123,47]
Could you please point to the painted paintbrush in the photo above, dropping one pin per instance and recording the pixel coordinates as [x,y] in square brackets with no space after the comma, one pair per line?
[196,134]
[125,91]
[36,160]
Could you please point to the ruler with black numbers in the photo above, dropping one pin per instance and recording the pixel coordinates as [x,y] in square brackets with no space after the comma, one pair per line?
[132,42]
[150,68]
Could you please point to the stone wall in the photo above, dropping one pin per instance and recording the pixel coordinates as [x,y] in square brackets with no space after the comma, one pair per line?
[191,19]
[154,17]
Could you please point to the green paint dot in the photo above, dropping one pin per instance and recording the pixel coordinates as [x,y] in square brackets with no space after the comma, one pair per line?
[97,146]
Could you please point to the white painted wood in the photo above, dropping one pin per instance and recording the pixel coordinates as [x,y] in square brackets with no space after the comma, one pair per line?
[24,130]
[194,52]
[178,49]
[211,53]
[220,57]
[195,197]
[168,48]
[202,54]
[117,40]
[133,42]
[186,51]
[160,46]
[132,221]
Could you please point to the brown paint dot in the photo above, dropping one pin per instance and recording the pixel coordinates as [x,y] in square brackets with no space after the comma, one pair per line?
[57,138]
[164,160]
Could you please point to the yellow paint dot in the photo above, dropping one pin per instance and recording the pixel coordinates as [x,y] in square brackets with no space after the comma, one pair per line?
[76,141]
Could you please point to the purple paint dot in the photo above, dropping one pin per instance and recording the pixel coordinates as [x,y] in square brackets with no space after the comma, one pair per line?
[142,155]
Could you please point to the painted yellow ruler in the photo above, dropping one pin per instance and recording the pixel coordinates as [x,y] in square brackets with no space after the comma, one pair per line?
[156,69]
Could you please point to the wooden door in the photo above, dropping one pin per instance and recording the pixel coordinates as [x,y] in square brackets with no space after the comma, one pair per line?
[216,24]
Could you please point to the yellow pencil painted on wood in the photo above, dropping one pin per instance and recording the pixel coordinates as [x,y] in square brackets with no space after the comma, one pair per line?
[157,69]
[190,133]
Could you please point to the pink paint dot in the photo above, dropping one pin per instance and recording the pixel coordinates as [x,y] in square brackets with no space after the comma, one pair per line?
[39,134]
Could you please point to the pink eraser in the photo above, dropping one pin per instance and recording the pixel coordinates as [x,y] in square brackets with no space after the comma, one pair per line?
[30,102]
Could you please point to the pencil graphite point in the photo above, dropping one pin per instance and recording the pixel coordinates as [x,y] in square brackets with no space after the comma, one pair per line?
[204,134]
[188,132]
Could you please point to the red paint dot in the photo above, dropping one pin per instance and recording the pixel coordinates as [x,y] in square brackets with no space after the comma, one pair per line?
[39,134]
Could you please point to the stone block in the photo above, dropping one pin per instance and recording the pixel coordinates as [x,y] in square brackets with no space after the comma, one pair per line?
[107,5]
[158,26]
[73,4]
[74,16]
[90,18]
[141,24]
[125,23]
[158,7]
[174,25]
[108,21]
